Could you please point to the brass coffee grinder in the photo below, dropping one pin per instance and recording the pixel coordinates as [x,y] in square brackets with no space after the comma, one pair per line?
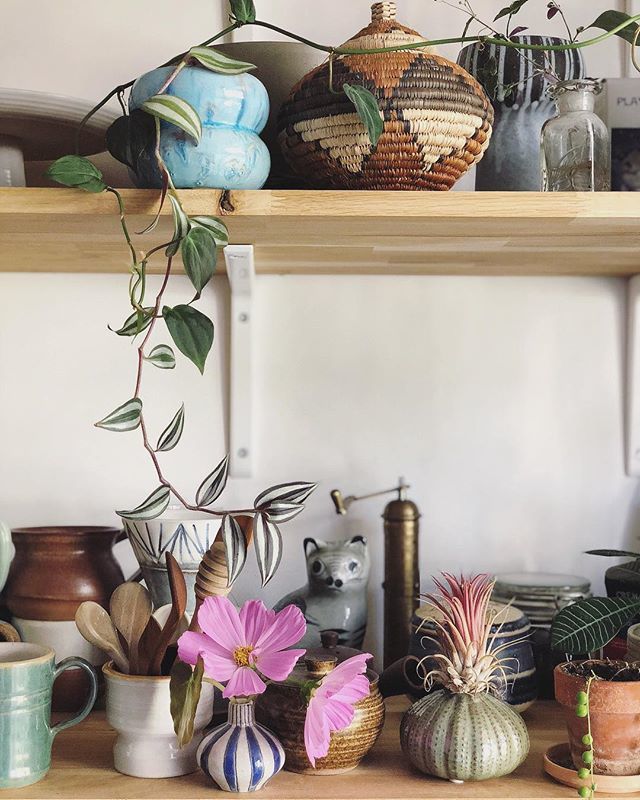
[401,565]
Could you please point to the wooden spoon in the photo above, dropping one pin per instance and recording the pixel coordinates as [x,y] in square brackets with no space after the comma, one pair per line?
[130,609]
[95,625]
[148,645]
[178,589]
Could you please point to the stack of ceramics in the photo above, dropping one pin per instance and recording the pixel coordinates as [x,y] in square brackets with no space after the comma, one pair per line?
[541,595]
[633,643]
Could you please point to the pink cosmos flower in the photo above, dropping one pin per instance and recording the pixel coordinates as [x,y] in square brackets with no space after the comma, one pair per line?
[331,707]
[240,647]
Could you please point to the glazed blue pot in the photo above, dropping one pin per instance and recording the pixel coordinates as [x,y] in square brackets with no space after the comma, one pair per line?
[230,155]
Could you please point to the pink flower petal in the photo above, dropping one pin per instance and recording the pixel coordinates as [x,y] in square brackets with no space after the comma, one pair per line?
[316,732]
[278,666]
[192,645]
[219,619]
[339,715]
[354,691]
[255,618]
[244,682]
[287,628]
[344,673]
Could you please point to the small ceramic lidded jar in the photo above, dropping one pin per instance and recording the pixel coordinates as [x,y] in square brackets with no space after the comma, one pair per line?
[241,755]
[283,708]
[575,151]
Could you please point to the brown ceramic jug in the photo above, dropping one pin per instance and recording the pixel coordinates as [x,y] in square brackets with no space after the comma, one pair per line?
[282,709]
[57,568]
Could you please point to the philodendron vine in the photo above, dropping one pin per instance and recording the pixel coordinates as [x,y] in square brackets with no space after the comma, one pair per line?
[197,239]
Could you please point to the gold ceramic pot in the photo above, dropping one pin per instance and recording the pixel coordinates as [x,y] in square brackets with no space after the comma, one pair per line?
[283,709]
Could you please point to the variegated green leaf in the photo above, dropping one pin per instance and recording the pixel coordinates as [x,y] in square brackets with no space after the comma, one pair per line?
[588,625]
[124,418]
[283,512]
[216,228]
[199,256]
[180,227]
[296,492]
[268,545]
[150,508]
[191,331]
[170,436]
[78,172]
[213,485]
[136,323]
[162,356]
[175,111]
[243,10]
[366,105]
[218,62]
[235,546]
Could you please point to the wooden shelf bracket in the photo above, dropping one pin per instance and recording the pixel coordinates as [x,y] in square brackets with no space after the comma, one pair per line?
[241,271]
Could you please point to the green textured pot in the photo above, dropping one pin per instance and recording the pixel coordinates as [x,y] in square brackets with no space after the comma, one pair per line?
[464,737]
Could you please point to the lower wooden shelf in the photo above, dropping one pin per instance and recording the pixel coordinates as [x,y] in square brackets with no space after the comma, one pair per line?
[82,768]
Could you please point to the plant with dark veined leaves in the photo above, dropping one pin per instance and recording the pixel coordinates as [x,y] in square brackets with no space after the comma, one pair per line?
[588,625]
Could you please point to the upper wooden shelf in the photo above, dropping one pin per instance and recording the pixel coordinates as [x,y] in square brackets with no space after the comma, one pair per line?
[333,232]
[83,767]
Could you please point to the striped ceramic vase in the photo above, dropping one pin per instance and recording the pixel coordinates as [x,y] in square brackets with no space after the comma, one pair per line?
[517,83]
[241,755]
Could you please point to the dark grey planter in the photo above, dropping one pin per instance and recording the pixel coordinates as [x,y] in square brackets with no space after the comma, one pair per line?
[512,161]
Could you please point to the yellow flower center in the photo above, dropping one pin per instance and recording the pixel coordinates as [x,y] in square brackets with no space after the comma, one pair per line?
[241,656]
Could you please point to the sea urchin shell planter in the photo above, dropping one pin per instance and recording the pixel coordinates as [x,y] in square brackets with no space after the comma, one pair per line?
[437,117]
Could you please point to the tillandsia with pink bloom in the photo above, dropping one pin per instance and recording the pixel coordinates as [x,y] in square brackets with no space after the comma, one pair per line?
[241,651]
[467,663]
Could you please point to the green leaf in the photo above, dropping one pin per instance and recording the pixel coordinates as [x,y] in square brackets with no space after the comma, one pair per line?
[162,356]
[213,485]
[185,687]
[588,625]
[176,111]
[509,11]
[136,323]
[170,436]
[199,255]
[613,553]
[129,136]
[367,108]
[216,228]
[150,508]
[77,172]
[218,62]
[180,227]
[609,20]
[243,10]
[235,547]
[191,331]
[124,418]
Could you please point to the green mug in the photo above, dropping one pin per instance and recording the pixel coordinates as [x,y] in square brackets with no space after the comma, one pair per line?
[27,673]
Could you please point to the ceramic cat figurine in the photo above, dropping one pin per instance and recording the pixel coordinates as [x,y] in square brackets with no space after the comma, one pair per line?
[335,598]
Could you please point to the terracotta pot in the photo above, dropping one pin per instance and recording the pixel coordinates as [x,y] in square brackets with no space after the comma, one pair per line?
[614,710]
[57,568]
[282,709]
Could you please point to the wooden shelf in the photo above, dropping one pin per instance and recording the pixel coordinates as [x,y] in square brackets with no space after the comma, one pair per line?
[82,768]
[332,232]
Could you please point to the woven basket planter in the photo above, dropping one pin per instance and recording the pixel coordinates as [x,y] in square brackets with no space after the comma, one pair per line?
[437,118]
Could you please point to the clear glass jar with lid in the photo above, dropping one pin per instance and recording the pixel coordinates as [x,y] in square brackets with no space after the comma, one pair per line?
[575,147]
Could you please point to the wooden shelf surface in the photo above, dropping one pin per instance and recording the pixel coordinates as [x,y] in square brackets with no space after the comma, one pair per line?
[337,232]
[82,768]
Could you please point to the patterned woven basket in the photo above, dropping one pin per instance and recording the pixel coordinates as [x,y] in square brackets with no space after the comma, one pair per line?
[437,118]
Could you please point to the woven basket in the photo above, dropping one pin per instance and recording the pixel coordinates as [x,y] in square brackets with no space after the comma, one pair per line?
[437,118]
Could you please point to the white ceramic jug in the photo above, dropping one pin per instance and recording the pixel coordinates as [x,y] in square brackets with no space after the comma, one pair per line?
[7,551]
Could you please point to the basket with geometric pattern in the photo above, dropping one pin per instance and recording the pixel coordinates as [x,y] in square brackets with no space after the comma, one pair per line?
[437,118]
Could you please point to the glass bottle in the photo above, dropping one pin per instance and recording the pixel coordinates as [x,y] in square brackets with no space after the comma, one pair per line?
[575,149]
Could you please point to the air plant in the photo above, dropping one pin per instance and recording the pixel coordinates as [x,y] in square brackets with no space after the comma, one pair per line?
[467,663]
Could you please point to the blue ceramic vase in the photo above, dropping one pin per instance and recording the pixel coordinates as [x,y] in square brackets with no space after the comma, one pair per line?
[241,755]
[230,155]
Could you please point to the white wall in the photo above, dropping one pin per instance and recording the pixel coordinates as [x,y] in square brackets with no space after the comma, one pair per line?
[499,399]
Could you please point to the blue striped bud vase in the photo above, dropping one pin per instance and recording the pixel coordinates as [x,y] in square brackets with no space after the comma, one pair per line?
[241,755]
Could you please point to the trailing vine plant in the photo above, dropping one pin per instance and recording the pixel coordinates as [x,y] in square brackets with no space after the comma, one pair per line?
[197,239]
[585,773]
